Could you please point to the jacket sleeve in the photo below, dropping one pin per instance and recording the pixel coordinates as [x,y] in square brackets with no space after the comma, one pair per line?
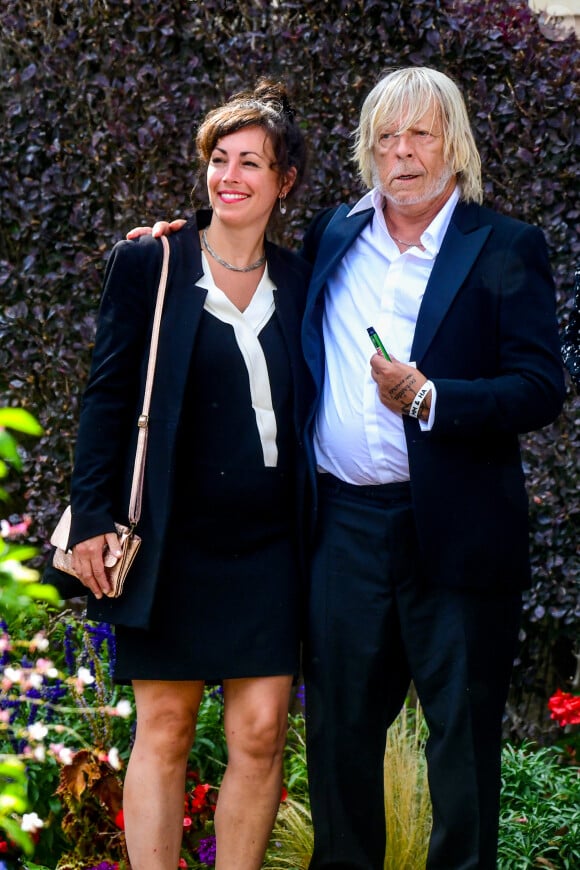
[111,401]
[521,385]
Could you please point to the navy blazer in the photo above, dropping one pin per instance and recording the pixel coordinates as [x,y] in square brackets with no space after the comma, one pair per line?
[112,400]
[486,335]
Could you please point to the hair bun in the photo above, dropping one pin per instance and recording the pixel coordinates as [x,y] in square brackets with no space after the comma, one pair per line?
[268,91]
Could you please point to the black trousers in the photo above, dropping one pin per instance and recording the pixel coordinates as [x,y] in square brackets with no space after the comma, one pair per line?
[375,623]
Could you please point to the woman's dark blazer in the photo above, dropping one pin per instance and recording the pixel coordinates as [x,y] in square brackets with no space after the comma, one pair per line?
[112,400]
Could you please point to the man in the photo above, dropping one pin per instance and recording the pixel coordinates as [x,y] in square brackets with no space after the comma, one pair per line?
[422,540]
[421,549]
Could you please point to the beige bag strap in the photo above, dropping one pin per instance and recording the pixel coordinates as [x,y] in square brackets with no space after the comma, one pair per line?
[143,421]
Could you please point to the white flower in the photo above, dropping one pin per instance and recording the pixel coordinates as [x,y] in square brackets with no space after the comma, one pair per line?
[31,823]
[85,677]
[65,755]
[35,681]
[61,752]
[124,709]
[12,674]
[39,752]
[39,642]
[52,673]
[113,758]
[37,731]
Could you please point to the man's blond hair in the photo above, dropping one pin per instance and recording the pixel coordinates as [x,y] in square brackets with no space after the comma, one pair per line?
[398,101]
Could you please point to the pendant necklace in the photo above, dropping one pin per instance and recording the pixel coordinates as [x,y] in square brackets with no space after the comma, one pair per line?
[227,265]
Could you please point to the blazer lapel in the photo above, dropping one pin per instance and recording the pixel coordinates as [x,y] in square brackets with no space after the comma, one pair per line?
[337,237]
[463,241]
[181,317]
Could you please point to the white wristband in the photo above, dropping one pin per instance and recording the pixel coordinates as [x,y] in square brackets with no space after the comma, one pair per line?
[418,400]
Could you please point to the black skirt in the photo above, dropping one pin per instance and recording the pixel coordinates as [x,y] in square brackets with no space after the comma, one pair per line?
[228,594]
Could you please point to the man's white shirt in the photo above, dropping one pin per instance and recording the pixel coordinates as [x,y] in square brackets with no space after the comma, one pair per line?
[356,437]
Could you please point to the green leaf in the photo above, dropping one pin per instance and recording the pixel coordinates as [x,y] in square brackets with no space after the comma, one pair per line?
[20,552]
[43,592]
[20,420]
[11,767]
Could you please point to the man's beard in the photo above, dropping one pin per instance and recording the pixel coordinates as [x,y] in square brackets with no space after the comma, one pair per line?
[436,188]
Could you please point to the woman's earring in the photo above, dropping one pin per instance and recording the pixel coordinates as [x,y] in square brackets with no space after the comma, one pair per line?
[282,204]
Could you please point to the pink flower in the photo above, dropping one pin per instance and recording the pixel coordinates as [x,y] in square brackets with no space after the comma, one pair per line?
[5,643]
[13,530]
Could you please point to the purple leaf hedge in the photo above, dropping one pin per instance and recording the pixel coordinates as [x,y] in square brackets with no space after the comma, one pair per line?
[99,103]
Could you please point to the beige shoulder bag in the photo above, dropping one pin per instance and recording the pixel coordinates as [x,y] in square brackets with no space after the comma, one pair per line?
[129,541]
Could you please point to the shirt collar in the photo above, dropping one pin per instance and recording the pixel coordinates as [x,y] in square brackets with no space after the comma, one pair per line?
[432,236]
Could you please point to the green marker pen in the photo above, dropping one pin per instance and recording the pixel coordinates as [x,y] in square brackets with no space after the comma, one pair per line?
[378,344]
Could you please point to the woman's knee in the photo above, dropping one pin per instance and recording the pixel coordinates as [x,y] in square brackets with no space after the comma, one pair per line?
[260,736]
[166,732]
[165,723]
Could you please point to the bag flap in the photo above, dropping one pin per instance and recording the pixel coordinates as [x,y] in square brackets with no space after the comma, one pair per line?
[61,534]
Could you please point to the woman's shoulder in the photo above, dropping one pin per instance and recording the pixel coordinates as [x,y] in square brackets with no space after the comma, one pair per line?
[130,253]
[144,254]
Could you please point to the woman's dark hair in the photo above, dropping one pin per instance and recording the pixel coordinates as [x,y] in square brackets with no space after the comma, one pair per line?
[267,106]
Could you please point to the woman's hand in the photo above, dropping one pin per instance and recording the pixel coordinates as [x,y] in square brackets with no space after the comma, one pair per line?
[161,228]
[90,562]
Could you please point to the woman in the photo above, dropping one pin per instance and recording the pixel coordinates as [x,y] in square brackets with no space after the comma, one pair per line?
[213,595]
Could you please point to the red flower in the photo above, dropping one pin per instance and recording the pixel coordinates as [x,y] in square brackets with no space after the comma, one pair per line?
[3,847]
[284,795]
[182,863]
[198,797]
[565,708]
[187,822]
[120,820]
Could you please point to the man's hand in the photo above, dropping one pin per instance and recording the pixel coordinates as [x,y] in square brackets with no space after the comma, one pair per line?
[90,559]
[161,228]
[398,384]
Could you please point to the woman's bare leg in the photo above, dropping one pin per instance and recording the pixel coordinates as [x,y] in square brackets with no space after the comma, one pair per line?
[153,794]
[256,721]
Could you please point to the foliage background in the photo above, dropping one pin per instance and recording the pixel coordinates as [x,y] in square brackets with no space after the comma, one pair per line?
[99,102]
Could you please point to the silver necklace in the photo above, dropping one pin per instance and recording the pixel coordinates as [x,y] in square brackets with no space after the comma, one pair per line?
[401,242]
[227,265]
